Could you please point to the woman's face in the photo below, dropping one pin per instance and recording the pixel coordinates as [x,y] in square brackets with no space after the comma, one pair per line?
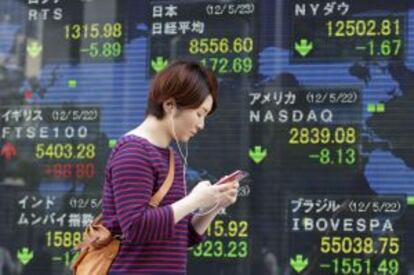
[188,122]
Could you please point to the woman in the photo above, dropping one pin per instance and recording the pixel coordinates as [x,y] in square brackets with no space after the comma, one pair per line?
[155,240]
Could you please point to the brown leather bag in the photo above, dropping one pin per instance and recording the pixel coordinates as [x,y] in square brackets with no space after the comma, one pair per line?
[100,247]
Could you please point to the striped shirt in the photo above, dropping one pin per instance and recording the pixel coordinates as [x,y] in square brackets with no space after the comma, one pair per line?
[152,243]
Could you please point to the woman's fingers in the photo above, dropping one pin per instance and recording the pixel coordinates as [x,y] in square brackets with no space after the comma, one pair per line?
[221,187]
[227,186]
[227,192]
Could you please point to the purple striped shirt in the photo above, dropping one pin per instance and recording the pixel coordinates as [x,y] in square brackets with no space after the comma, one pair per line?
[152,243]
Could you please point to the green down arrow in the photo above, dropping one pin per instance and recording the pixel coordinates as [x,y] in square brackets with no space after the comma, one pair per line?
[24,255]
[304,47]
[34,48]
[257,154]
[299,263]
[159,64]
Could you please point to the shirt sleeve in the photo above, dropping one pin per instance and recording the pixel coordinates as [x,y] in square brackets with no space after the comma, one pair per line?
[193,237]
[133,181]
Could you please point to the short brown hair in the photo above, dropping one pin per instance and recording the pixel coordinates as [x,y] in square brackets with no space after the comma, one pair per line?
[188,82]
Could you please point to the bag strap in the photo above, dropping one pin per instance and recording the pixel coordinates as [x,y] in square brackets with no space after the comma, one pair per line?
[165,187]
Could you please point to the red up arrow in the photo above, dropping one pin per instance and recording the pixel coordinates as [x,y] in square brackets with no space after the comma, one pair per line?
[8,151]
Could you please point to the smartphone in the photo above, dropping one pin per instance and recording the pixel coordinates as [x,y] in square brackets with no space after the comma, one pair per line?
[237,175]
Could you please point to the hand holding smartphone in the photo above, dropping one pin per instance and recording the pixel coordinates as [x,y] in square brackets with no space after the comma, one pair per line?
[237,175]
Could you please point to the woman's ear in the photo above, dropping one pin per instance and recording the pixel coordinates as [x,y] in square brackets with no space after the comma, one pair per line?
[169,106]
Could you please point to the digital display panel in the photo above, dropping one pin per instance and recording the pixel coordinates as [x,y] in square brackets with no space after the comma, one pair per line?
[316,102]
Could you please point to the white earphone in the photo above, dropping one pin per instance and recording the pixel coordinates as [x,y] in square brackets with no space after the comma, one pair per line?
[183,156]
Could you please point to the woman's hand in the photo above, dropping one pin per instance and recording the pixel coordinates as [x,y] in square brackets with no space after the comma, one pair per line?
[228,194]
[204,194]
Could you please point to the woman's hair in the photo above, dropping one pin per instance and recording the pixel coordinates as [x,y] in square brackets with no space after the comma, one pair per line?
[187,82]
